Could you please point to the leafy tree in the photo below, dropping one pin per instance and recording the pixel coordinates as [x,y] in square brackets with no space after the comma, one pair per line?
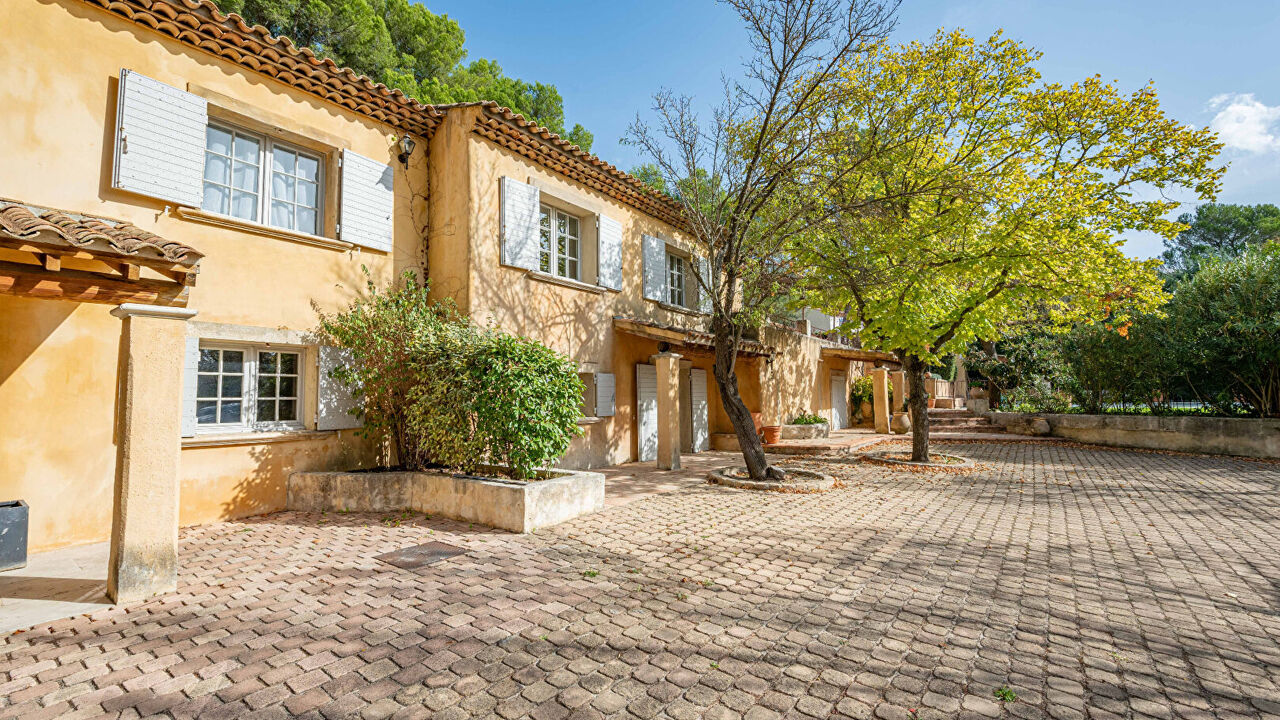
[988,197]
[1225,323]
[1218,231]
[406,46]
[650,175]
[750,157]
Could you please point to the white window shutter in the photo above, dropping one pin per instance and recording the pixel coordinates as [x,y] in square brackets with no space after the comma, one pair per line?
[520,210]
[606,401]
[159,140]
[655,268]
[190,375]
[704,293]
[609,253]
[367,203]
[646,413]
[335,400]
[698,409]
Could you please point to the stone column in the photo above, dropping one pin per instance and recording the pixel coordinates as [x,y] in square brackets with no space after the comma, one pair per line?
[144,531]
[668,367]
[900,421]
[880,399]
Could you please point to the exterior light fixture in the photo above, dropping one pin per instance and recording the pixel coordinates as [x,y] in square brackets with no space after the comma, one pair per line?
[406,149]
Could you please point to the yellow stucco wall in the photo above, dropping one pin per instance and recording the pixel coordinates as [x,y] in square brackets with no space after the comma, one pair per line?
[58,360]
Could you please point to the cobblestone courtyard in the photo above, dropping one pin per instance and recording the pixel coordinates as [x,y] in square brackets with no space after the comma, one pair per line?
[1090,583]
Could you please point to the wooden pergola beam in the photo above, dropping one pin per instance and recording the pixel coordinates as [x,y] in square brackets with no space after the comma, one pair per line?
[36,282]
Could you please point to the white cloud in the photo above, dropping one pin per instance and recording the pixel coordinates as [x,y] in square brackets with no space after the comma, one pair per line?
[1245,123]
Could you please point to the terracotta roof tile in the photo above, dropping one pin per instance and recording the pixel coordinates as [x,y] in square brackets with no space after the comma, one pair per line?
[100,236]
[199,23]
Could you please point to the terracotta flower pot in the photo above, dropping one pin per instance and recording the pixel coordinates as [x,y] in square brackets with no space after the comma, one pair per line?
[772,434]
[932,402]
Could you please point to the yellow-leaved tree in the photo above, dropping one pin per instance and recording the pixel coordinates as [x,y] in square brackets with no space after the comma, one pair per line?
[980,196]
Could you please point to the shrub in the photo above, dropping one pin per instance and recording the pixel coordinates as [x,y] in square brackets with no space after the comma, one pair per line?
[446,392]
[808,419]
[1226,322]
[861,391]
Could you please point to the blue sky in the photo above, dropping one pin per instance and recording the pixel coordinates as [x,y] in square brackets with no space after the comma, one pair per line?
[1213,63]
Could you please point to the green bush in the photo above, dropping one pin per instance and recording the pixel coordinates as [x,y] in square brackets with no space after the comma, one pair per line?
[445,392]
[862,390]
[808,419]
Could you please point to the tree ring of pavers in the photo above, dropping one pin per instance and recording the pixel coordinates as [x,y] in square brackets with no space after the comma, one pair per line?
[958,462]
[798,480]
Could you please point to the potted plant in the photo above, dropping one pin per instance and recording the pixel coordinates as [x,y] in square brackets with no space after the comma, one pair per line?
[772,434]
[860,397]
[13,534]
[930,400]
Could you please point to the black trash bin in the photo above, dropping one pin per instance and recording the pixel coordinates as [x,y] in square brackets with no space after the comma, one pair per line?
[13,534]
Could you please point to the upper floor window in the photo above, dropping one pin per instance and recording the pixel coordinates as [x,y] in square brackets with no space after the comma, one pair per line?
[240,388]
[288,196]
[560,235]
[675,279]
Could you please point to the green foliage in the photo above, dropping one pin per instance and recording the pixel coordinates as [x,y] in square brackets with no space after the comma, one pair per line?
[406,46]
[808,419]
[1220,231]
[1026,369]
[446,392]
[1004,693]
[980,197]
[861,391]
[1225,320]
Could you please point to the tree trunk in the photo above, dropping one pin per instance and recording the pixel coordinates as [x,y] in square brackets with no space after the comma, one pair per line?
[919,407]
[993,390]
[726,343]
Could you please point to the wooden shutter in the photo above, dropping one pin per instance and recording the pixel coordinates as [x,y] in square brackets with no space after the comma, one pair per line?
[646,412]
[606,401]
[698,409]
[190,375]
[367,203]
[704,293]
[655,268]
[609,253]
[160,138]
[335,400]
[520,210]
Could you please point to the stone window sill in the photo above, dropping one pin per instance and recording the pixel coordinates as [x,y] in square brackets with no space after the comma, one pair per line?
[258,438]
[208,218]
[692,312]
[565,282]
[590,420]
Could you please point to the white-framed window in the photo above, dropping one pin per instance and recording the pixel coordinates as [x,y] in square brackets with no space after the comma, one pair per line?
[245,388]
[560,238]
[675,279]
[260,179]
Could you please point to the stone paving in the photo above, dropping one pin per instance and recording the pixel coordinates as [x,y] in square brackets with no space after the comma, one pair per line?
[1088,582]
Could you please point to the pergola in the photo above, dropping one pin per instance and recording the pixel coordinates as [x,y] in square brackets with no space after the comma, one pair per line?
[58,255]
[68,256]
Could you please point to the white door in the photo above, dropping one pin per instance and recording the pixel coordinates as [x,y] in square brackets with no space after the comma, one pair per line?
[646,413]
[698,409]
[839,403]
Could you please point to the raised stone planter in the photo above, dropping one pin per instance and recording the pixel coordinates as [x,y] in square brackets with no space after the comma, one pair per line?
[1250,437]
[505,504]
[805,432]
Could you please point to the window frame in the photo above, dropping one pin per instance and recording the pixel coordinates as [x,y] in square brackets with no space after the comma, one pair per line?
[266,148]
[551,251]
[677,269]
[249,422]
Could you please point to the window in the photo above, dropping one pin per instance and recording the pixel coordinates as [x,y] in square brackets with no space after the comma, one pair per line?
[675,279]
[588,393]
[248,389]
[235,185]
[561,243]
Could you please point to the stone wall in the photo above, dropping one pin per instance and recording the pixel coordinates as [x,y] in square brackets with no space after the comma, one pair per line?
[1247,437]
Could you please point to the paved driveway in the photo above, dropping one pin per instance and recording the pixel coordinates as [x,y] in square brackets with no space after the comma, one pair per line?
[1090,583]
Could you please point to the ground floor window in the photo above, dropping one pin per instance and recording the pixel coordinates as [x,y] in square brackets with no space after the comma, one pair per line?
[248,388]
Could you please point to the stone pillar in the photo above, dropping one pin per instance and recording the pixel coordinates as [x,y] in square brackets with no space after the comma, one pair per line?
[900,421]
[668,367]
[880,398]
[144,531]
